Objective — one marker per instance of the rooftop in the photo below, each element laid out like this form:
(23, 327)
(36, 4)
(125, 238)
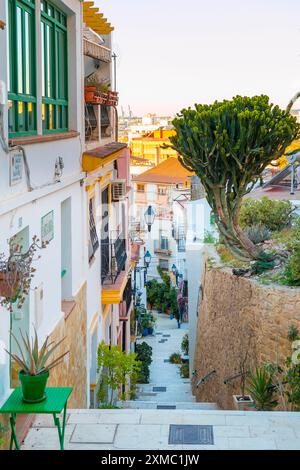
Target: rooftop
(170, 171)
(275, 192)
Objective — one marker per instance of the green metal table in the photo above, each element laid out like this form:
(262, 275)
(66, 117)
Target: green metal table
(55, 402)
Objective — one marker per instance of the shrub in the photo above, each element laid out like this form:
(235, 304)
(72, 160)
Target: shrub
(208, 237)
(144, 353)
(144, 375)
(258, 233)
(175, 358)
(293, 333)
(116, 369)
(292, 270)
(144, 356)
(273, 214)
(185, 344)
(184, 371)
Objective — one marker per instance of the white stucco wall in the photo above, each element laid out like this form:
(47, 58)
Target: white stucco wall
(20, 208)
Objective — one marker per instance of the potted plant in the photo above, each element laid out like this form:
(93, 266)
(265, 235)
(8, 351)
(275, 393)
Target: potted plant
(262, 389)
(16, 273)
(35, 364)
(243, 401)
(147, 321)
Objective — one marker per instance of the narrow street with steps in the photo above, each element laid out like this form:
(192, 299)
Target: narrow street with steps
(167, 389)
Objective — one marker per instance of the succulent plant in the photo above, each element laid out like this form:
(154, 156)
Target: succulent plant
(258, 233)
(228, 145)
(34, 360)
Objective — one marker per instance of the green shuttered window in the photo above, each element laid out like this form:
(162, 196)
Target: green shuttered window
(22, 73)
(54, 69)
(21, 80)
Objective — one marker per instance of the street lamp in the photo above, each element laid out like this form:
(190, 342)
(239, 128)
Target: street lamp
(149, 217)
(175, 272)
(147, 259)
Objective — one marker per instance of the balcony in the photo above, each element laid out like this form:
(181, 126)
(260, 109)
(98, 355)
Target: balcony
(96, 51)
(114, 272)
(113, 259)
(127, 301)
(161, 247)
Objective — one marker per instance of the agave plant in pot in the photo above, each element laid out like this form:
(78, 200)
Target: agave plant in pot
(35, 364)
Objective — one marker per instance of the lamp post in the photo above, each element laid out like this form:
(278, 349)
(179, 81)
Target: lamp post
(175, 272)
(147, 260)
(149, 217)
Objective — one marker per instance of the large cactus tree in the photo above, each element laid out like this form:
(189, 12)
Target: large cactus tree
(228, 144)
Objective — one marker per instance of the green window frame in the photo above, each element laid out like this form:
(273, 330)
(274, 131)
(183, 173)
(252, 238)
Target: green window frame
(54, 69)
(22, 68)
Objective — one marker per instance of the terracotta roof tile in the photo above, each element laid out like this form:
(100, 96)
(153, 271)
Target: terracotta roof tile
(169, 171)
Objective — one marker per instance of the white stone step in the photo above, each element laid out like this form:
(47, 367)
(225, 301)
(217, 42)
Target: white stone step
(140, 405)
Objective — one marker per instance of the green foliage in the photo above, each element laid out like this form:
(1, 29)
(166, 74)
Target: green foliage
(33, 359)
(262, 265)
(208, 237)
(261, 389)
(144, 356)
(116, 370)
(292, 270)
(258, 233)
(228, 145)
(293, 333)
(185, 344)
(184, 371)
(162, 296)
(273, 214)
(147, 320)
(109, 407)
(175, 358)
(3, 430)
(144, 353)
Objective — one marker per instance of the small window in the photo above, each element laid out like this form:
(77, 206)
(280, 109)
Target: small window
(140, 188)
(162, 190)
(163, 264)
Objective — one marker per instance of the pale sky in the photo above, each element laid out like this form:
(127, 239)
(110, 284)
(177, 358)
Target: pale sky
(173, 53)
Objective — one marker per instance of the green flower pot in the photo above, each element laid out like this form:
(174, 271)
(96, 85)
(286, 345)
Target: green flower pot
(33, 386)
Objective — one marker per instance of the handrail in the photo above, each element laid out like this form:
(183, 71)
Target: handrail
(232, 377)
(205, 378)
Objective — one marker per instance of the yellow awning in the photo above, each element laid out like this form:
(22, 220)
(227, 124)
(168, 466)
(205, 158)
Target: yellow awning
(95, 20)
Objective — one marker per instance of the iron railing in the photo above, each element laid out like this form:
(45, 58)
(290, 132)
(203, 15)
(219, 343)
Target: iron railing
(127, 294)
(113, 259)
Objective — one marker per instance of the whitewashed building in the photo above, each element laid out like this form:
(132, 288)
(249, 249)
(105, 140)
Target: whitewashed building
(65, 181)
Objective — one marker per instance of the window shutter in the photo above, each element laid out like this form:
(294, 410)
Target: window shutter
(118, 189)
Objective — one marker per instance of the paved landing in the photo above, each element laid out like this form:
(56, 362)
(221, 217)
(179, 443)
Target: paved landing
(154, 429)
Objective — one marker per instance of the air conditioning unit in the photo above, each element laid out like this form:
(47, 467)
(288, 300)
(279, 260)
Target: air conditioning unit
(118, 190)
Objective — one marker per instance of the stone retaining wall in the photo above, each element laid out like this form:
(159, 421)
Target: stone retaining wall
(232, 310)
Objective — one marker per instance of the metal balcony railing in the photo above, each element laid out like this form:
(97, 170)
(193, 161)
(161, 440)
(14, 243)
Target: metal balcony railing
(113, 259)
(127, 294)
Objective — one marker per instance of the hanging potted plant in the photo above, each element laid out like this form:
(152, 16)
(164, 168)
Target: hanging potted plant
(16, 273)
(35, 364)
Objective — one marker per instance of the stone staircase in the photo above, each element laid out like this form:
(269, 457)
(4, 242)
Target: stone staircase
(167, 390)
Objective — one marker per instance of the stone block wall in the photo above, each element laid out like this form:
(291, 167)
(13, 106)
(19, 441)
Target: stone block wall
(232, 311)
(72, 372)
